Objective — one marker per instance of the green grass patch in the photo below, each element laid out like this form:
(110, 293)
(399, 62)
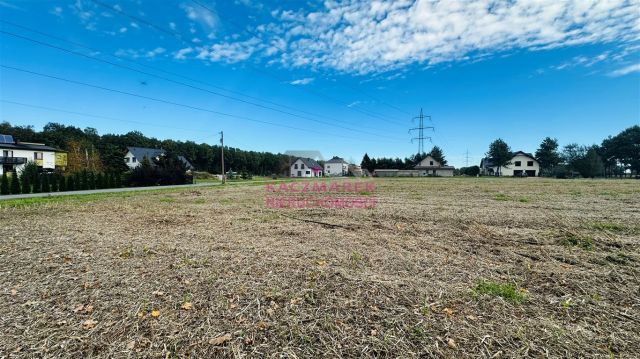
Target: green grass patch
(508, 291)
(608, 226)
(524, 200)
(167, 200)
(574, 240)
(501, 197)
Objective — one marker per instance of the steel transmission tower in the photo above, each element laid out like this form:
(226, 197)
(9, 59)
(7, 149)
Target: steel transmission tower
(421, 137)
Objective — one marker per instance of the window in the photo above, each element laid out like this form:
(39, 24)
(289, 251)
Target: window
(37, 155)
(518, 163)
(7, 153)
(299, 173)
(133, 159)
(126, 160)
(295, 166)
(308, 172)
(430, 163)
(302, 165)
(530, 163)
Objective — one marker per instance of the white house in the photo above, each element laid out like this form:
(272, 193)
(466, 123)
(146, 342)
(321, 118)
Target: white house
(336, 167)
(429, 166)
(305, 167)
(521, 164)
(14, 155)
(133, 157)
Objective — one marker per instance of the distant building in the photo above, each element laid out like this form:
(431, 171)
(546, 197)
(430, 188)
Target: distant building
(336, 167)
(428, 167)
(521, 164)
(305, 167)
(133, 157)
(355, 170)
(14, 155)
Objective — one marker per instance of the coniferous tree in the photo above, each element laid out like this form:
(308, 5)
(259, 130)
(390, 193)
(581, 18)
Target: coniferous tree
(15, 184)
(91, 180)
(46, 187)
(71, 183)
(547, 155)
(62, 183)
(438, 155)
(4, 185)
(26, 184)
(84, 180)
(37, 184)
(54, 182)
(76, 182)
(99, 181)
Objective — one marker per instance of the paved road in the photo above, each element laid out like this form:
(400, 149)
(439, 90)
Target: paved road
(131, 189)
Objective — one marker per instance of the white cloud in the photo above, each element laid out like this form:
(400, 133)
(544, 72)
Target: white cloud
(57, 11)
(304, 81)
(172, 25)
(141, 53)
(123, 30)
(626, 70)
(182, 53)
(200, 15)
(135, 25)
(157, 51)
(365, 36)
(230, 52)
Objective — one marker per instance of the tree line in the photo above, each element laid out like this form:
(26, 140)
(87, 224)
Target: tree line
(410, 162)
(617, 155)
(88, 150)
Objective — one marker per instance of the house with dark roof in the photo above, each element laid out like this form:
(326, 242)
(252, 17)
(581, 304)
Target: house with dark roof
(134, 156)
(336, 167)
(14, 155)
(522, 164)
(305, 167)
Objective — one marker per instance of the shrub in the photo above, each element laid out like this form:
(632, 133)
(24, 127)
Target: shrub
(15, 184)
(84, 180)
(100, 181)
(54, 182)
(71, 183)
(62, 183)
(37, 184)
(91, 180)
(4, 185)
(46, 187)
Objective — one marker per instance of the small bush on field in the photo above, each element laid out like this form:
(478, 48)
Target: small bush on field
(507, 291)
(501, 197)
(573, 240)
(524, 200)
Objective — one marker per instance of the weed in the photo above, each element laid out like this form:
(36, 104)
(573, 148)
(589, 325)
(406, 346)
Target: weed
(607, 226)
(167, 200)
(583, 242)
(507, 291)
(524, 200)
(501, 197)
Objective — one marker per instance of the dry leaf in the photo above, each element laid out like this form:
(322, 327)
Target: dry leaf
(374, 332)
(295, 301)
(78, 308)
(131, 345)
(89, 323)
(232, 306)
(472, 317)
(262, 325)
(187, 306)
(270, 311)
(158, 293)
(322, 263)
(220, 340)
(155, 313)
(448, 311)
(140, 314)
(14, 292)
(451, 343)
(88, 308)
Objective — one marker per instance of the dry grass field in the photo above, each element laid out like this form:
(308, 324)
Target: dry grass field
(452, 268)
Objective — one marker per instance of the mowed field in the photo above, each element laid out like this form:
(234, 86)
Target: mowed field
(442, 267)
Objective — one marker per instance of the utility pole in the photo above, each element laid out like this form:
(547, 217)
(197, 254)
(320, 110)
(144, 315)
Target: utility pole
(224, 175)
(421, 129)
(467, 158)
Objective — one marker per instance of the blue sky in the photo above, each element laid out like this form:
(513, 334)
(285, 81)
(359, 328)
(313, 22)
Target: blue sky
(343, 78)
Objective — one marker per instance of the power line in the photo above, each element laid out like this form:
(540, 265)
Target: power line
(253, 33)
(175, 103)
(167, 72)
(181, 38)
(185, 84)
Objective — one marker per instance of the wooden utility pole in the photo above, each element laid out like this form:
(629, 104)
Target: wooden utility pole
(224, 175)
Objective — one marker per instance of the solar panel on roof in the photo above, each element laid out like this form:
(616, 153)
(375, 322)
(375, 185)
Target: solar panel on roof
(6, 139)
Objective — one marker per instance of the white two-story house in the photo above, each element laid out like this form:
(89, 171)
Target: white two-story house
(14, 155)
(133, 157)
(336, 167)
(521, 164)
(305, 167)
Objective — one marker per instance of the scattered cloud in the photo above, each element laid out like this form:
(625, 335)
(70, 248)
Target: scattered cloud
(182, 53)
(304, 81)
(141, 53)
(625, 70)
(200, 15)
(364, 36)
(229, 52)
(354, 103)
(123, 30)
(9, 5)
(56, 11)
(172, 25)
(135, 25)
